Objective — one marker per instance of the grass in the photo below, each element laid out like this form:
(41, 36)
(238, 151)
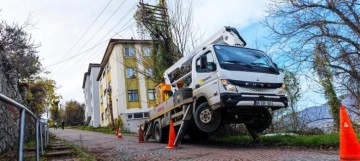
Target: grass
(327, 141)
(320, 141)
(30, 144)
(106, 130)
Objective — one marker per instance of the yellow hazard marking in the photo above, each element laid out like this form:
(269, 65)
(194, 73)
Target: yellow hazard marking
(346, 125)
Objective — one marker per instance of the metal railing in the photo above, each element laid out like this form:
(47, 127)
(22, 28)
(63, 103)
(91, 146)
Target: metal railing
(42, 128)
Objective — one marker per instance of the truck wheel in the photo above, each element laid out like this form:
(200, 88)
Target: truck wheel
(160, 133)
(262, 121)
(206, 119)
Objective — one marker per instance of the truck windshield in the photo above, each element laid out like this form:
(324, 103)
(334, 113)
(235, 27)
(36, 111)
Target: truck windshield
(244, 59)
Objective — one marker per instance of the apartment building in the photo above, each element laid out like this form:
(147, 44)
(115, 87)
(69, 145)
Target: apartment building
(91, 92)
(125, 88)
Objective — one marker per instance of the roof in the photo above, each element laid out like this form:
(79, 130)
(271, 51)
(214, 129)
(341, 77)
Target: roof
(91, 65)
(110, 47)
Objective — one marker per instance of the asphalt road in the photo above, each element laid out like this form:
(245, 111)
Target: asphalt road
(109, 147)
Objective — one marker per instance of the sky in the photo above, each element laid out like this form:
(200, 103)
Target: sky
(73, 34)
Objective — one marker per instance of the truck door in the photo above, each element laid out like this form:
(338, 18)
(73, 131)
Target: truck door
(206, 78)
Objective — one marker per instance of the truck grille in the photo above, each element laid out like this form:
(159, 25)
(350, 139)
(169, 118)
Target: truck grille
(257, 90)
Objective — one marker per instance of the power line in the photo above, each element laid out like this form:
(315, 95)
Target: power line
(117, 33)
(103, 24)
(120, 20)
(88, 28)
(117, 23)
(76, 69)
(100, 28)
(78, 54)
(97, 45)
(65, 60)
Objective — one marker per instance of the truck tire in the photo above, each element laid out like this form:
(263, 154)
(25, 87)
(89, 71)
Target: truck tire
(206, 119)
(262, 121)
(160, 134)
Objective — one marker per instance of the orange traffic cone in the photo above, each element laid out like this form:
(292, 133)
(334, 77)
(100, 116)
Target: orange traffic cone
(141, 135)
(172, 136)
(349, 145)
(119, 134)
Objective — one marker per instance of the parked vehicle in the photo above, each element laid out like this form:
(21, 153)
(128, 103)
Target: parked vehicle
(220, 82)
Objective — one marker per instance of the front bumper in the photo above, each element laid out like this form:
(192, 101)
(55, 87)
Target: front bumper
(251, 100)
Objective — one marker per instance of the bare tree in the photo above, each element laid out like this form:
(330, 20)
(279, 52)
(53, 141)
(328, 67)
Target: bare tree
(298, 26)
(173, 34)
(18, 51)
(293, 90)
(292, 87)
(185, 36)
(325, 77)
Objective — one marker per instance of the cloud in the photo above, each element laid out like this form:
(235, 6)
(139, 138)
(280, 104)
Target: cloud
(211, 15)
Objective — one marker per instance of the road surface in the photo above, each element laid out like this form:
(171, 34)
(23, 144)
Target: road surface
(109, 147)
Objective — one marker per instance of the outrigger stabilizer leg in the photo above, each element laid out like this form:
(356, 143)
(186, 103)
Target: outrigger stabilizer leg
(185, 122)
(254, 135)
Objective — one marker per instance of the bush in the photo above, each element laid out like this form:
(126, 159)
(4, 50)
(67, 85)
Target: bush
(119, 123)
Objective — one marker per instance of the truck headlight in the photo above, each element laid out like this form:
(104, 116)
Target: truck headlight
(282, 90)
(228, 86)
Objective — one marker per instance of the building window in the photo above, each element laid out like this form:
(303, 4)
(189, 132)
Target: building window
(205, 63)
(146, 51)
(129, 51)
(130, 73)
(146, 115)
(133, 95)
(151, 94)
(138, 115)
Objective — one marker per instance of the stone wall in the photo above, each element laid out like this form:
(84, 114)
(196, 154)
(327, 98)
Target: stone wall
(10, 116)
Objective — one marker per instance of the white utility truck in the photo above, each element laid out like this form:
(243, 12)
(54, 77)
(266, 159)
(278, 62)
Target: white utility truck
(221, 82)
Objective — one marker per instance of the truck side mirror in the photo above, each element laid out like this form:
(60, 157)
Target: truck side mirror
(211, 66)
(203, 61)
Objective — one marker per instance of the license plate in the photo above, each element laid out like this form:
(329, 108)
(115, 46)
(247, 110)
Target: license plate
(263, 103)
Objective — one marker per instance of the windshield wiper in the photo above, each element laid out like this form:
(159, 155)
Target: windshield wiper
(238, 62)
(273, 69)
(260, 64)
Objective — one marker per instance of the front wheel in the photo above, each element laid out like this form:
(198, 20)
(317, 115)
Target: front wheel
(206, 119)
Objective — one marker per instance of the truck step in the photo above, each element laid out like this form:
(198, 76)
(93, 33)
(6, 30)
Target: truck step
(177, 114)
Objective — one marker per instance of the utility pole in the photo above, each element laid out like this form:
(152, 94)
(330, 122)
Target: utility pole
(155, 19)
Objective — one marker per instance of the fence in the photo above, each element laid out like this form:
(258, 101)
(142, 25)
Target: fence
(42, 128)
